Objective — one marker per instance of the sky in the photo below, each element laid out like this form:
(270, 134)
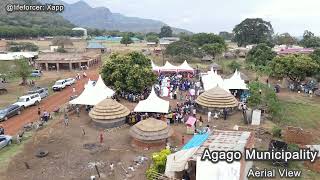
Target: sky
(293, 16)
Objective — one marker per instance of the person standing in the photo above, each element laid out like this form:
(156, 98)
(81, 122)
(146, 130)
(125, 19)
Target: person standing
(73, 90)
(66, 119)
(78, 110)
(209, 116)
(225, 113)
(1, 130)
(39, 112)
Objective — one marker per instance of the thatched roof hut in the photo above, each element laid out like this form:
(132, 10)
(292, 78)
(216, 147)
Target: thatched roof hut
(217, 98)
(150, 132)
(109, 113)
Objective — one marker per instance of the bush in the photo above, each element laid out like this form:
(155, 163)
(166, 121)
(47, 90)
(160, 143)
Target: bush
(293, 147)
(276, 131)
(61, 50)
(159, 163)
(150, 173)
(234, 65)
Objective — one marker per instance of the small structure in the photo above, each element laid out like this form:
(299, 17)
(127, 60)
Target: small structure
(296, 135)
(216, 67)
(67, 61)
(189, 157)
(95, 47)
(216, 98)
(152, 44)
(150, 132)
(108, 114)
(207, 58)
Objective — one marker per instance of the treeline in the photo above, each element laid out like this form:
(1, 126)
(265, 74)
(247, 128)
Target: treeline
(25, 32)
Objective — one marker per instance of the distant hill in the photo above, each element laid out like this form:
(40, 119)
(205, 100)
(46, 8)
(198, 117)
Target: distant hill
(81, 14)
(31, 19)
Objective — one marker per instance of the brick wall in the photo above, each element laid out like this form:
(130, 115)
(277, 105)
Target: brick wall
(295, 135)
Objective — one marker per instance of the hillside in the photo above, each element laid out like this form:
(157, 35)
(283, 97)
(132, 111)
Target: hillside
(30, 19)
(81, 14)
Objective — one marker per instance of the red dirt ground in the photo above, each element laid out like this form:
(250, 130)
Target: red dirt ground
(30, 114)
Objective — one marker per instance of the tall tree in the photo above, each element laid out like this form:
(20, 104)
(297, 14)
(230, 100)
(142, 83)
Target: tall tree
(310, 40)
(260, 55)
(204, 38)
(285, 39)
(152, 38)
(126, 39)
(22, 69)
(295, 67)
(253, 31)
(61, 41)
(165, 31)
(226, 35)
(214, 49)
(182, 50)
(130, 73)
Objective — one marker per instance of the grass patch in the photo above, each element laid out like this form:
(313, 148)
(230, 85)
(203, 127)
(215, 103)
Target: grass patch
(9, 152)
(301, 114)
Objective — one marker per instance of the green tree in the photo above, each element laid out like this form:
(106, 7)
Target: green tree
(294, 67)
(253, 31)
(285, 39)
(130, 73)
(22, 69)
(61, 41)
(226, 35)
(315, 55)
(310, 40)
(126, 39)
(260, 55)
(204, 38)
(152, 38)
(214, 50)
(264, 97)
(165, 31)
(234, 65)
(182, 49)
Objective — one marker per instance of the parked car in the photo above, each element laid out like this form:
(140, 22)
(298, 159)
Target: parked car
(9, 111)
(28, 100)
(36, 73)
(70, 81)
(5, 140)
(59, 85)
(43, 92)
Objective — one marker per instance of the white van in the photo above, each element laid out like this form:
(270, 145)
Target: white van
(28, 100)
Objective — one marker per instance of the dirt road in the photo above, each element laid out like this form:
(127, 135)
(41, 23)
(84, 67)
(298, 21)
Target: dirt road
(14, 124)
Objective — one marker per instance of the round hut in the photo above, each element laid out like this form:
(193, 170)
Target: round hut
(109, 113)
(216, 67)
(150, 132)
(216, 99)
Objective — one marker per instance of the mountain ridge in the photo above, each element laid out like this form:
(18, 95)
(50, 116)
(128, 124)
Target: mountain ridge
(104, 18)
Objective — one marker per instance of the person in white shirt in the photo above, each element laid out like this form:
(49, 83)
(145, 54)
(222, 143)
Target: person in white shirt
(209, 116)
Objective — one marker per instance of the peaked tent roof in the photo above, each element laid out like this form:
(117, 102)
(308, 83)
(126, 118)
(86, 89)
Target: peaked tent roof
(152, 104)
(211, 80)
(235, 82)
(168, 67)
(92, 95)
(154, 66)
(185, 67)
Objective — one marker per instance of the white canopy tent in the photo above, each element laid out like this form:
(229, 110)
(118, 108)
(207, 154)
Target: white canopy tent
(235, 82)
(92, 95)
(185, 67)
(212, 80)
(168, 67)
(152, 104)
(154, 67)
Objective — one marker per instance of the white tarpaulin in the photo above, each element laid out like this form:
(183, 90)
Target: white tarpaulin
(185, 67)
(152, 104)
(92, 95)
(177, 162)
(256, 117)
(17, 55)
(206, 170)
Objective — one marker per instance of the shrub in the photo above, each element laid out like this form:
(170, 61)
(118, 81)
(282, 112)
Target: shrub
(276, 131)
